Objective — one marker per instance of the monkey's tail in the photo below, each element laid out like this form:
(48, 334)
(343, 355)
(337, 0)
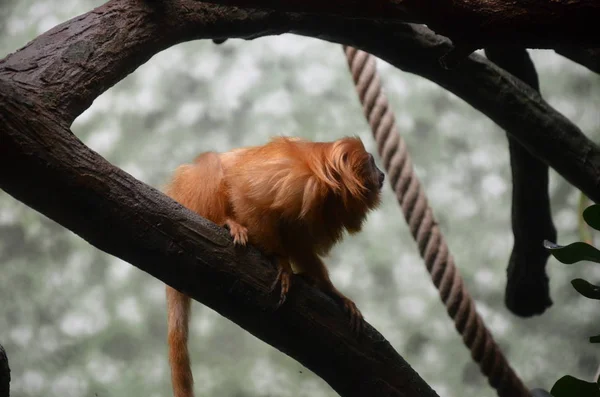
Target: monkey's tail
(200, 188)
(182, 379)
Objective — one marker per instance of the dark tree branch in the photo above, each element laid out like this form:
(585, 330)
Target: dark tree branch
(44, 86)
(512, 104)
(527, 289)
(471, 23)
(76, 61)
(588, 57)
(66, 181)
(4, 374)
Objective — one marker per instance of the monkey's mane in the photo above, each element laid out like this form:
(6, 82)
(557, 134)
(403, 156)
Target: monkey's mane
(306, 174)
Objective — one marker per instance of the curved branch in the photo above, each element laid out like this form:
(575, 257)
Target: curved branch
(63, 179)
(527, 288)
(588, 57)
(512, 104)
(76, 61)
(49, 82)
(471, 23)
(81, 58)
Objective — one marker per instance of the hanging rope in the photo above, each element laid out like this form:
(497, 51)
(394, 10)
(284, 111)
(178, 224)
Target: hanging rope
(425, 230)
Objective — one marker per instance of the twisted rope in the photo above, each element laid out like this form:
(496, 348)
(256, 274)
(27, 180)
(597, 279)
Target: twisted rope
(424, 228)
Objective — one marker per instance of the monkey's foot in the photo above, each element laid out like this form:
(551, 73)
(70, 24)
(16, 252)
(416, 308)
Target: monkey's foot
(356, 318)
(237, 231)
(284, 280)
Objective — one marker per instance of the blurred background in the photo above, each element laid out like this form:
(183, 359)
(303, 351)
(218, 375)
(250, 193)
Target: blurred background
(78, 322)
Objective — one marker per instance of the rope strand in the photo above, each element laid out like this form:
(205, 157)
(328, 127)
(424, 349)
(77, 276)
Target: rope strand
(424, 228)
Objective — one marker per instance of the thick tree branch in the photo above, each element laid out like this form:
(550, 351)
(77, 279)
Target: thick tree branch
(474, 23)
(44, 86)
(76, 61)
(66, 181)
(512, 104)
(588, 57)
(527, 289)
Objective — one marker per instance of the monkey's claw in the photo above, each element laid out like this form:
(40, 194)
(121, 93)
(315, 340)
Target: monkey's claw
(284, 280)
(238, 232)
(356, 318)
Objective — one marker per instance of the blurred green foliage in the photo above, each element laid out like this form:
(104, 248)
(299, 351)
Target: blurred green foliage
(568, 386)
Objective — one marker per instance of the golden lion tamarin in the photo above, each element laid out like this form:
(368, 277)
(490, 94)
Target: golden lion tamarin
(292, 199)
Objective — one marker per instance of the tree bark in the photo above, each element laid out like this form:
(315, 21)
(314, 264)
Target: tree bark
(66, 181)
(472, 23)
(527, 289)
(513, 105)
(588, 57)
(55, 77)
(76, 61)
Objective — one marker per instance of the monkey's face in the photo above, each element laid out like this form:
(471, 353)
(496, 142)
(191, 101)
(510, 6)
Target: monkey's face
(373, 180)
(367, 181)
(374, 175)
(360, 179)
(370, 177)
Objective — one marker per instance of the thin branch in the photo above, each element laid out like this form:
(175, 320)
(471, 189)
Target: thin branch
(527, 289)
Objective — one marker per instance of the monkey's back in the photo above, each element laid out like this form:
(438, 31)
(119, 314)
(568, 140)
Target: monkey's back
(274, 192)
(200, 187)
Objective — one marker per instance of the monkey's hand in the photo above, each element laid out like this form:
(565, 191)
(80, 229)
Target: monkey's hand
(237, 231)
(283, 279)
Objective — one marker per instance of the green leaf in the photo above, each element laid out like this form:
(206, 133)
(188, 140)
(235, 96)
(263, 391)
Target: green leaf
(595, 339)
(574, 252)
(586, 289)
(591, 215)
(585, 233)
(569, 386)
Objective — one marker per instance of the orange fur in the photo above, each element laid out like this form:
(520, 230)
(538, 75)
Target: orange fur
(291, 198)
